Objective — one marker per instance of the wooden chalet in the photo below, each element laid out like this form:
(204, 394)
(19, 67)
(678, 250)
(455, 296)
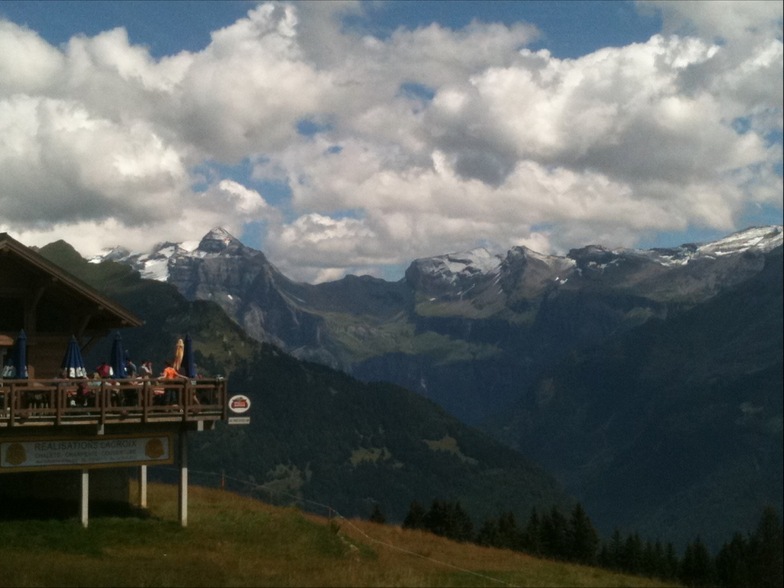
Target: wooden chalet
(53, 448)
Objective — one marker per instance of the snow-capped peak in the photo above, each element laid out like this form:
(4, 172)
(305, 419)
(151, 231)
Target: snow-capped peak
(761, 238)
(453, 266)
(217, 241)
(478, 260)
(112, 254)
(156, 263)
(456, 273)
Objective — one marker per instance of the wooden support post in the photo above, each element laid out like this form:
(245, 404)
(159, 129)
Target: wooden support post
(85, 497)
(143, 486)
(183, 496)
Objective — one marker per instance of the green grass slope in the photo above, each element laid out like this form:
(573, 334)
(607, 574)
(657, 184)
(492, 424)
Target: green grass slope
(236, 541)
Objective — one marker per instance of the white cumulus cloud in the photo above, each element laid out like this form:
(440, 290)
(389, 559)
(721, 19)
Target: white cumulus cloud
(389, 148)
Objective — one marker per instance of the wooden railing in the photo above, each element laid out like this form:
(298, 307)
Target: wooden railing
(63, 402)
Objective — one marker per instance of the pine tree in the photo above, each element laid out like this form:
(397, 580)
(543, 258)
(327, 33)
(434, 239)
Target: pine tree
(631, 557)
(554, 535)
(488, 534)
(436, 518)
(603, 559)
(509, 536)
(377, 516)
(582, 537)
(671, 563)
(732, 563)
(415, 519)
(696, 567)
(613, 552)
(767, 545)
(648, 566)
(659, 569)
(532, 536)
(461, 527)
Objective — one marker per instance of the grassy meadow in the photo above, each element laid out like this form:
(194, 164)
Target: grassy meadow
(237, 541)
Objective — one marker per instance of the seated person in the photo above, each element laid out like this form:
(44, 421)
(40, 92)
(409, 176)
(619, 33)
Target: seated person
(84, 395)
(104, 370)
(145, 371)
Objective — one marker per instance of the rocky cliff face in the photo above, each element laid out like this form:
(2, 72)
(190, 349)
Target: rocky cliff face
(240, 279)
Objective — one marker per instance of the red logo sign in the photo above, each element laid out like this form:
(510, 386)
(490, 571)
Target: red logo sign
(239, 403)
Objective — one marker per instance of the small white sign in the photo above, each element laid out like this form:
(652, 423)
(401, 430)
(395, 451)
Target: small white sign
(239, 404)
(239, 420)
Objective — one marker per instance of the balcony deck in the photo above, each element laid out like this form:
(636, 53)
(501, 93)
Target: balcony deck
(58, 402)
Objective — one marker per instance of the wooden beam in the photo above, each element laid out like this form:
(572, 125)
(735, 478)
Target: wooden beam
(39, 292)
(82, 326)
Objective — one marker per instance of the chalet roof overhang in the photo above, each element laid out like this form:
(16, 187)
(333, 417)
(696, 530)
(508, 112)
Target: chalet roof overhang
(39, 277)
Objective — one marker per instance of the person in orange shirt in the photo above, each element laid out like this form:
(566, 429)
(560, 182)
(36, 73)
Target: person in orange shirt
(169, 373)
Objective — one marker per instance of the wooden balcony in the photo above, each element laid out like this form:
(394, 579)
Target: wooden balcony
(59, 402)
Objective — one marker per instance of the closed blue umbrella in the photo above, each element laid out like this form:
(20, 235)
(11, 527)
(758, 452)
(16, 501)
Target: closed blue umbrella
(20, 356)
(188, 361)
(73, 362)
(117, 360)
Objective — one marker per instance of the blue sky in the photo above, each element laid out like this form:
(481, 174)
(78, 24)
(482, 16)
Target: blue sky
(353, 137)
(568, 29)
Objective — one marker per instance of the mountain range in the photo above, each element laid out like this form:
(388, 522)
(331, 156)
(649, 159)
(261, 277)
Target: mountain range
(647, 381)
(469, 330)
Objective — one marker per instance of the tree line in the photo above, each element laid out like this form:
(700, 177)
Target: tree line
(753, 559)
